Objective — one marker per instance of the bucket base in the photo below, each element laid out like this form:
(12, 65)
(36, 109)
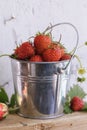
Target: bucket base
(41, 117)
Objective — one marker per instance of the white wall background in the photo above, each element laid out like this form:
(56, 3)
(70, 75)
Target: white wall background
(31, 16)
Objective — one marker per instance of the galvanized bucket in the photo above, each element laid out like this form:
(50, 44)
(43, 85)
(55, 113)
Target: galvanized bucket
(41, 87)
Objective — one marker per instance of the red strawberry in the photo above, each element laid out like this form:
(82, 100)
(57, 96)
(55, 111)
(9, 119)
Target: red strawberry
(3, 110)
(62, 51)
(1, 106)
(66, 56)
(52, 54)
(56, 45)
(36, 58)
(1, 115)
(42, 42)
(76, 103)
(26, 50)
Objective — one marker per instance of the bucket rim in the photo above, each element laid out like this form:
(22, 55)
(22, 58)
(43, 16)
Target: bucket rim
(33, 62)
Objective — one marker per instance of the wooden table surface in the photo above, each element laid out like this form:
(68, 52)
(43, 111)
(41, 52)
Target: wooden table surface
(75, 121)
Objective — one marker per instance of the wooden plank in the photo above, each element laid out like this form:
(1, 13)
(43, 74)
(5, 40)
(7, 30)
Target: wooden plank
(73, 121)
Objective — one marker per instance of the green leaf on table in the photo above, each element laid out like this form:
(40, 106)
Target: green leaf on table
(67, 108)
(76, 90)
(13, 108)
(3, 96)
(13, 100)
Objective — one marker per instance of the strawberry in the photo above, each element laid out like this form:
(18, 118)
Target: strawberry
(51, 54)
(58, 45)
(76, 103)
(66, 56)
(36, 58)
(42, 42)
(25, 50)
(54, 45)
(3, 110)
(1, 115)
(62, 51)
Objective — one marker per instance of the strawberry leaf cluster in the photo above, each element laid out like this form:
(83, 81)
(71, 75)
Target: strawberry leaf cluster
(11, 103)
(75, 96)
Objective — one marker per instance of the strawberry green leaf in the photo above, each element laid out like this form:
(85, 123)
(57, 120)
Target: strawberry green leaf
(13, 56)
(13, 110)
(12, 101)
(76, 90)
(85, 107)
(81, 79)
(3, 96)
(38, 33)
(86, 43)
(67, 108)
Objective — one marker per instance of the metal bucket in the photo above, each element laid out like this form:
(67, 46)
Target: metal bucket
(41, 87)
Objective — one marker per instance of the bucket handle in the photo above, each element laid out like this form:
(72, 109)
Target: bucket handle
(61, 70)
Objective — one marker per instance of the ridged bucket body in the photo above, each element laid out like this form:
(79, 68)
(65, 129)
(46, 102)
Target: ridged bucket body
(40, 89)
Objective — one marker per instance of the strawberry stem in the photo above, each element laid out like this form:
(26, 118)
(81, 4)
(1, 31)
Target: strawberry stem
(46, 30)
(4, 55)
(78, 60)
(60, 38)
(31, 37)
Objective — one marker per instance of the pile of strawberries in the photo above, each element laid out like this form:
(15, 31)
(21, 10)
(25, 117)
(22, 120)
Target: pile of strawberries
(43, 49)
